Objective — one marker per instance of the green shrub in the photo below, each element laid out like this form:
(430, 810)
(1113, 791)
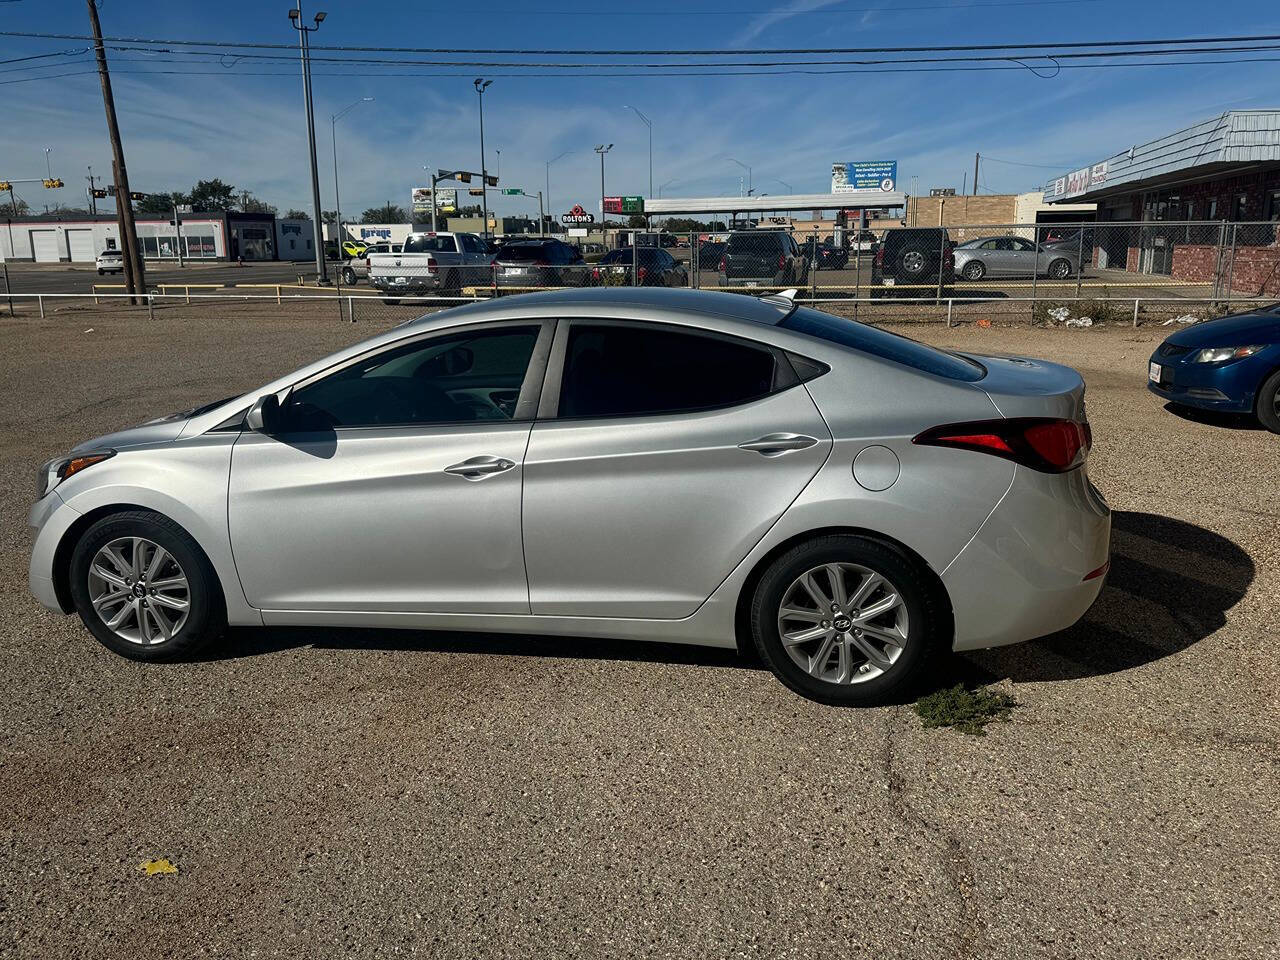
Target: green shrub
(969, 711)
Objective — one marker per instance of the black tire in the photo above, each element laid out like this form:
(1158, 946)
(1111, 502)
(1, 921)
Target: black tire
(206, 617)
(974, 270)
(389, 301)
(349, 277)
(1059, 269)
(101, 272)
(1268, 403)
(927, 629)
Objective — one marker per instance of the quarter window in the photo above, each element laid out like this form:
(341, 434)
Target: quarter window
(456, 378)
(615, 371)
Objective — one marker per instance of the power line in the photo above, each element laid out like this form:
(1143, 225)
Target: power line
(733, 12)
(774, 51)
(1019, 163)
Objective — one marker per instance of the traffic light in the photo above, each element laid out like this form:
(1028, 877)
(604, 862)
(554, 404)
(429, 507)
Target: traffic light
(99, 194)
(476, 192)
(464, 177)
(52, 184)
(491, 181)
(137, 196)
(5, 185)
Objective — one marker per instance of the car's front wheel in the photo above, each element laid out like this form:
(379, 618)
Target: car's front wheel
(144, 588)
(1269, 403)
(846, 620)
(349, 276)
(1059, 270)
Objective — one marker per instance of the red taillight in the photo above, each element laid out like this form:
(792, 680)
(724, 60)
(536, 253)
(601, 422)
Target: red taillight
(1047, 445)
(721, 267)
(595, 273)
(949, 255)
(642, 273)
(431, 264)
(1100, 572)
(879, 257)
(782, 263)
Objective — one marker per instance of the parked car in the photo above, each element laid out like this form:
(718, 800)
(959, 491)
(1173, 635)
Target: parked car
(1013, 257)
(667, 241)
(1066, 236)
(768, 257)
(431, 262)
(540, 262)
(357, 268)
(110, 261)
(668, 465)
(641, 267)
(863, 241)
(830, 255)
(591, 252)
(1231, 364)
(914, 257)
(710, 253)
(353, 248)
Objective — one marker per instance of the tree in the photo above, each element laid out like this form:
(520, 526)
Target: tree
(294, 214)
(18, 208)
(637, 220)
(329, 216)
(251, 204)
(387, 213)
(159, 202)
(212, 196)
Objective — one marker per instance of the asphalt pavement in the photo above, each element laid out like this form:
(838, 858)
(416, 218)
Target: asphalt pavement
(336, 793)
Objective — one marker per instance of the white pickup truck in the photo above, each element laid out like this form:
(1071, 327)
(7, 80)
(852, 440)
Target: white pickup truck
(431, 263)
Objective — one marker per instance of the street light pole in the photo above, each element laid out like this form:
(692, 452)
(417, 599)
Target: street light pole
(304, 48)
(548, 172)
(337, 199)
(648, 124)
(746, 167)
(602, 149)
(481, 84)
(667, 184)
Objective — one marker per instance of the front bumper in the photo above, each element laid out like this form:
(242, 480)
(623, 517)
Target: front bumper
(1206, 386)
(1023, 575)
(50, 517)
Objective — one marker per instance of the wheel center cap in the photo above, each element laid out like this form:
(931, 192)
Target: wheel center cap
(139, 589)
(842, 623)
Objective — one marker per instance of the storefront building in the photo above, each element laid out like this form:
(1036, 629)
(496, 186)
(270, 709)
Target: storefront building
(1195, 196)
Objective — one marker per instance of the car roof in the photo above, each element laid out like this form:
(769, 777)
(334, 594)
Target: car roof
(654, 301)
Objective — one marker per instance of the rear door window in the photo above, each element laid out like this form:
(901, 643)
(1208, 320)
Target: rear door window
(615, 370)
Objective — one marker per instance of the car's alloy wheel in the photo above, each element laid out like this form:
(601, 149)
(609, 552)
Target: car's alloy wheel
(349, 277)
(843, 623)
(848, 619)
(974, 270)
(913, 261)
(1059, 269)
(139, 590)
(144, 588)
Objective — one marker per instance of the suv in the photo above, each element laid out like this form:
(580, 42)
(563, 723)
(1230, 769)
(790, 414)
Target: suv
(763, 257)
(536, 263)
(914, 257)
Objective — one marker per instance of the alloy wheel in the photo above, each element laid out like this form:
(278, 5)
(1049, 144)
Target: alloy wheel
(139, 590)
(843, 623)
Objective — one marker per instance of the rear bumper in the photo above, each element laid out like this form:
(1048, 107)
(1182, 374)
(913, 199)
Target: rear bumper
(404, 284)
(1023, 574)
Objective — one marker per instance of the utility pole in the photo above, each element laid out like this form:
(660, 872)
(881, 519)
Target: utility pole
(304, 47)
(648, 123)
(93, 183)
(548, 164)
(337, 199)
(135, 272)
(602, 149)
(481, 85)
(976, 158)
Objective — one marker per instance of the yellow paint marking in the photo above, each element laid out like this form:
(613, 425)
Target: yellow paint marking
(152, 867)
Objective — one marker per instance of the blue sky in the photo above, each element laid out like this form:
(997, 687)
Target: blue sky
(215, 119)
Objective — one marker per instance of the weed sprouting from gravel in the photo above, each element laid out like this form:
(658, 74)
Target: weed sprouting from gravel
(969, 711)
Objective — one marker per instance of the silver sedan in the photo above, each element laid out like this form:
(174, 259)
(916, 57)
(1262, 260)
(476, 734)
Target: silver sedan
(666, 465)
(1013, 257)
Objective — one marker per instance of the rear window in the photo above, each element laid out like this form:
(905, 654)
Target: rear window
(429, 245)
(754, 242)
(882, 343)
(518, 253)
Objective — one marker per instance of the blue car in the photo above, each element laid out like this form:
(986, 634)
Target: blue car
(1230, 364)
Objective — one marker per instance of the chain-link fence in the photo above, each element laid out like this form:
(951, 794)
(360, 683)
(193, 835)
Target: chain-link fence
(1046, 273)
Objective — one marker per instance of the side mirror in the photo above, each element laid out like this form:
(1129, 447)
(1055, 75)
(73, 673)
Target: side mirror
(264, 416)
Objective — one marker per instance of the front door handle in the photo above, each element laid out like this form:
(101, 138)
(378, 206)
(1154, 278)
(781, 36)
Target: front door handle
(776, 444)
(477, 468)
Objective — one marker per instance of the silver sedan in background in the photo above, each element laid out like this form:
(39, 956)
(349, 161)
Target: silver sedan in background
(668, 465)
(1013, 256)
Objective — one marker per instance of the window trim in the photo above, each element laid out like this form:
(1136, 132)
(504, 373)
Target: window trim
(785, 376)
(526, 403)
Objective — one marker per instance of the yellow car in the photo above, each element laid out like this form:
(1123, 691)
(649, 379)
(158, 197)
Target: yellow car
(354, 248)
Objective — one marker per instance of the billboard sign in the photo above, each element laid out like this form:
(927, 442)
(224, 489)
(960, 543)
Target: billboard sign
(856, 175)
(1076, 182)
(446, 199)
(577, 215)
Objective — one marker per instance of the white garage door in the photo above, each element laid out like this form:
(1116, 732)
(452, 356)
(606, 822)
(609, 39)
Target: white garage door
(80, 244)
(44, 246)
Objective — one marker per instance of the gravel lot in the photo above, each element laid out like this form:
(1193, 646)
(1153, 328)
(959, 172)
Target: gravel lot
(339, 793)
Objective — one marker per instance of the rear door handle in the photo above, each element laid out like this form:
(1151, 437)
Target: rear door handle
(477, 468)
(776, 444)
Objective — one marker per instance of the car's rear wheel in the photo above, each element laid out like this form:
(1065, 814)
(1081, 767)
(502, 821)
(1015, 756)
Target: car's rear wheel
(974, 270)
(348, 276)
(1269, 403)
(144, 588)
(1059, 269)
(846, 620)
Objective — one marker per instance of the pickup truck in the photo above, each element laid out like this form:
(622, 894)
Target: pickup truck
(431, 263)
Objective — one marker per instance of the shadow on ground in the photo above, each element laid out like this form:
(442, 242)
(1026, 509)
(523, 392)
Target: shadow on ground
(1215, 418)
(1170, 585)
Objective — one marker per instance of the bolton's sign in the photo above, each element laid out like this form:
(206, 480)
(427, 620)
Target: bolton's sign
(577, 215)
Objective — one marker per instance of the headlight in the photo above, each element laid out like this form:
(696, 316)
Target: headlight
(1218, 354)
(57, 470)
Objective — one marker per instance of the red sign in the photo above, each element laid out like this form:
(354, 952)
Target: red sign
(612, 204)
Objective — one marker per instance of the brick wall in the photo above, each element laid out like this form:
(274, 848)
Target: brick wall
(1256, 271)
(995, 209)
